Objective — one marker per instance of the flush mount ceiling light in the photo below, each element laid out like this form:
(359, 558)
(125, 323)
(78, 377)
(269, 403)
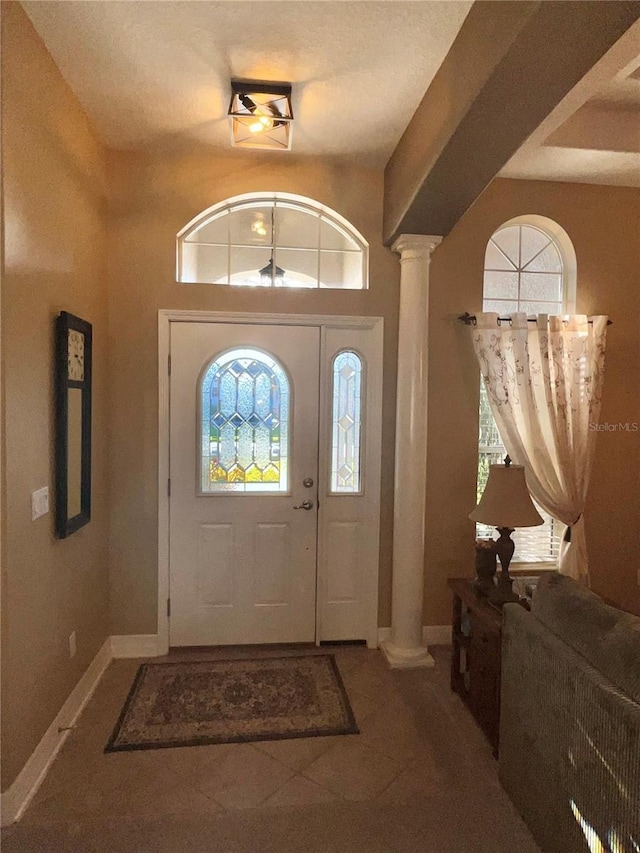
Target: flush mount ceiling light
(261, 115)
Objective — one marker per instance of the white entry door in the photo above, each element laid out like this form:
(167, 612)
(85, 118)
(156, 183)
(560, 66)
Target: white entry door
(243, 443)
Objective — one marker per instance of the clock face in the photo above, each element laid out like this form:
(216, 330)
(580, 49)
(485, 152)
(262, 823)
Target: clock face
(75, 355)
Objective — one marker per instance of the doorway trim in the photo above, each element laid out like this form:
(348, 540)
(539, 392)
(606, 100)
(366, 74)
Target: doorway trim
(374, 395)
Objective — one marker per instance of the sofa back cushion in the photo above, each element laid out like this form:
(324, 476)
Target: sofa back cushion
(569, 743)
(606, 637)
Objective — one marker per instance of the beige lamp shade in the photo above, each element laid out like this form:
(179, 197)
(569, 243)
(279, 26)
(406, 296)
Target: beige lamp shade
(506, 501)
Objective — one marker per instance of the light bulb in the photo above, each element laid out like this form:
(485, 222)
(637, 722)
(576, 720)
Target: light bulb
(258, 227)
(262, 122)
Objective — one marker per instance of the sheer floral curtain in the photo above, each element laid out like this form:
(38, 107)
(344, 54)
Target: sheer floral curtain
(544, 383)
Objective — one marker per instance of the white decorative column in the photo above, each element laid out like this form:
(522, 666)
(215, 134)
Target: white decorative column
(405, 647)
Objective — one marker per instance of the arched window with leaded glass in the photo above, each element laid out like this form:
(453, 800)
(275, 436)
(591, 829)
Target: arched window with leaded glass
(244, 421)
(272, 240)
(529, 267)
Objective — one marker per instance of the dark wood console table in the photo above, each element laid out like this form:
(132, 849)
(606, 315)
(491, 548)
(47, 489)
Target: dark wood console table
(475, 656)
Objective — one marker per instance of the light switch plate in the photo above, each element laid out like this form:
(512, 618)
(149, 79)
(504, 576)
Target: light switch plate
(39, 503)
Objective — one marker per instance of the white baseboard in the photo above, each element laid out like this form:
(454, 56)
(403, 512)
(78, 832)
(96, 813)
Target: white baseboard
(16, 798)
(134, 645)
(432, 635)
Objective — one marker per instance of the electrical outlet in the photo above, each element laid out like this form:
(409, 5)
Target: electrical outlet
(72, 644)
(39, 503)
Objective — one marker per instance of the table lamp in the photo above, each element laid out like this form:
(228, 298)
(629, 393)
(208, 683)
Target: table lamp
(506, 504)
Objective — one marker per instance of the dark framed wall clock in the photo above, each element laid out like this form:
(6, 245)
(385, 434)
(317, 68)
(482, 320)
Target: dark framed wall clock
(73, 345)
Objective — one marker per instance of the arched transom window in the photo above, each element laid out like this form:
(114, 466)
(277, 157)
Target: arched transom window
(529, 266)
(274, 240)
(522, 272)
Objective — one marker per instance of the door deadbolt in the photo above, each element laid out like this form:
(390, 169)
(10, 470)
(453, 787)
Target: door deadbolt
(307, 482)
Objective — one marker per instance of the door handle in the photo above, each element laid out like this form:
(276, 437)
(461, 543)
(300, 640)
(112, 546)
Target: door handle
(305, 505)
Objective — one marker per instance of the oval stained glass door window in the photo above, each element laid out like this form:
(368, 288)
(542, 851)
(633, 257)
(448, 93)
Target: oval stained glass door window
(244, 406)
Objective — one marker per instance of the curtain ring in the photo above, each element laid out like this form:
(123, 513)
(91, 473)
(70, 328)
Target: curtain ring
(499, 321)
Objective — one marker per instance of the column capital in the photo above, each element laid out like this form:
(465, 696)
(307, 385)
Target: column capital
(416, 246)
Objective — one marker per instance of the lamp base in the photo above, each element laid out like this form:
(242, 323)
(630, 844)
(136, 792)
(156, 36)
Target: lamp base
(505, 546)
(502, 592)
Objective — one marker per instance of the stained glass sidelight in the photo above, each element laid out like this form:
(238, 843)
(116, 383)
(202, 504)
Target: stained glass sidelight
(346, 423)
(244, 399)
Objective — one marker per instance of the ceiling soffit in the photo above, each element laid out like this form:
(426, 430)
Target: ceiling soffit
(514, 91)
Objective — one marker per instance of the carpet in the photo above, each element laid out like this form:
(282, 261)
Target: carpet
(228, 701)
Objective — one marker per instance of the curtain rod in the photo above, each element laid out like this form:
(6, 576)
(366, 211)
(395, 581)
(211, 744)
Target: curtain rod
(470, 319)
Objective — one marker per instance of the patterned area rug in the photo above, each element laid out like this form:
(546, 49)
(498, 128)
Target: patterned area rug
(226, 701)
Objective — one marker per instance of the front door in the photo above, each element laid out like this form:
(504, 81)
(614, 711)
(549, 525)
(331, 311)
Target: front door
(243, 483)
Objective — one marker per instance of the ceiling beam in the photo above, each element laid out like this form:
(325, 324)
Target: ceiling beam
(511, 64)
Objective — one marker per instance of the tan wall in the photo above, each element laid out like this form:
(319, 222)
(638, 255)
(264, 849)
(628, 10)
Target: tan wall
(603, 225)
(153, 196)
(54, 204)
(55, 211)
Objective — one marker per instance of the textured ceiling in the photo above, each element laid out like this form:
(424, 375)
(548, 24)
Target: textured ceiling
(150, 70)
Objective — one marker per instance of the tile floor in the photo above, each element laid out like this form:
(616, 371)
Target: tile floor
(418, 777)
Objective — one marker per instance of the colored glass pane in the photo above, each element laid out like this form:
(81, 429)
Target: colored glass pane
(346, 423)
(244, 398)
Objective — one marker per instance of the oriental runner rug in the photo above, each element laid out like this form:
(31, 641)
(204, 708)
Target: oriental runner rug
(227, 701)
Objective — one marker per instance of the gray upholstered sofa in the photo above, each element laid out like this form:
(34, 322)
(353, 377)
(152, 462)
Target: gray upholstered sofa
(570, 719)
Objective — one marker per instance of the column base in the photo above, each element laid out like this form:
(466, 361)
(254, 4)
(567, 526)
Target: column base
(403, 658)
